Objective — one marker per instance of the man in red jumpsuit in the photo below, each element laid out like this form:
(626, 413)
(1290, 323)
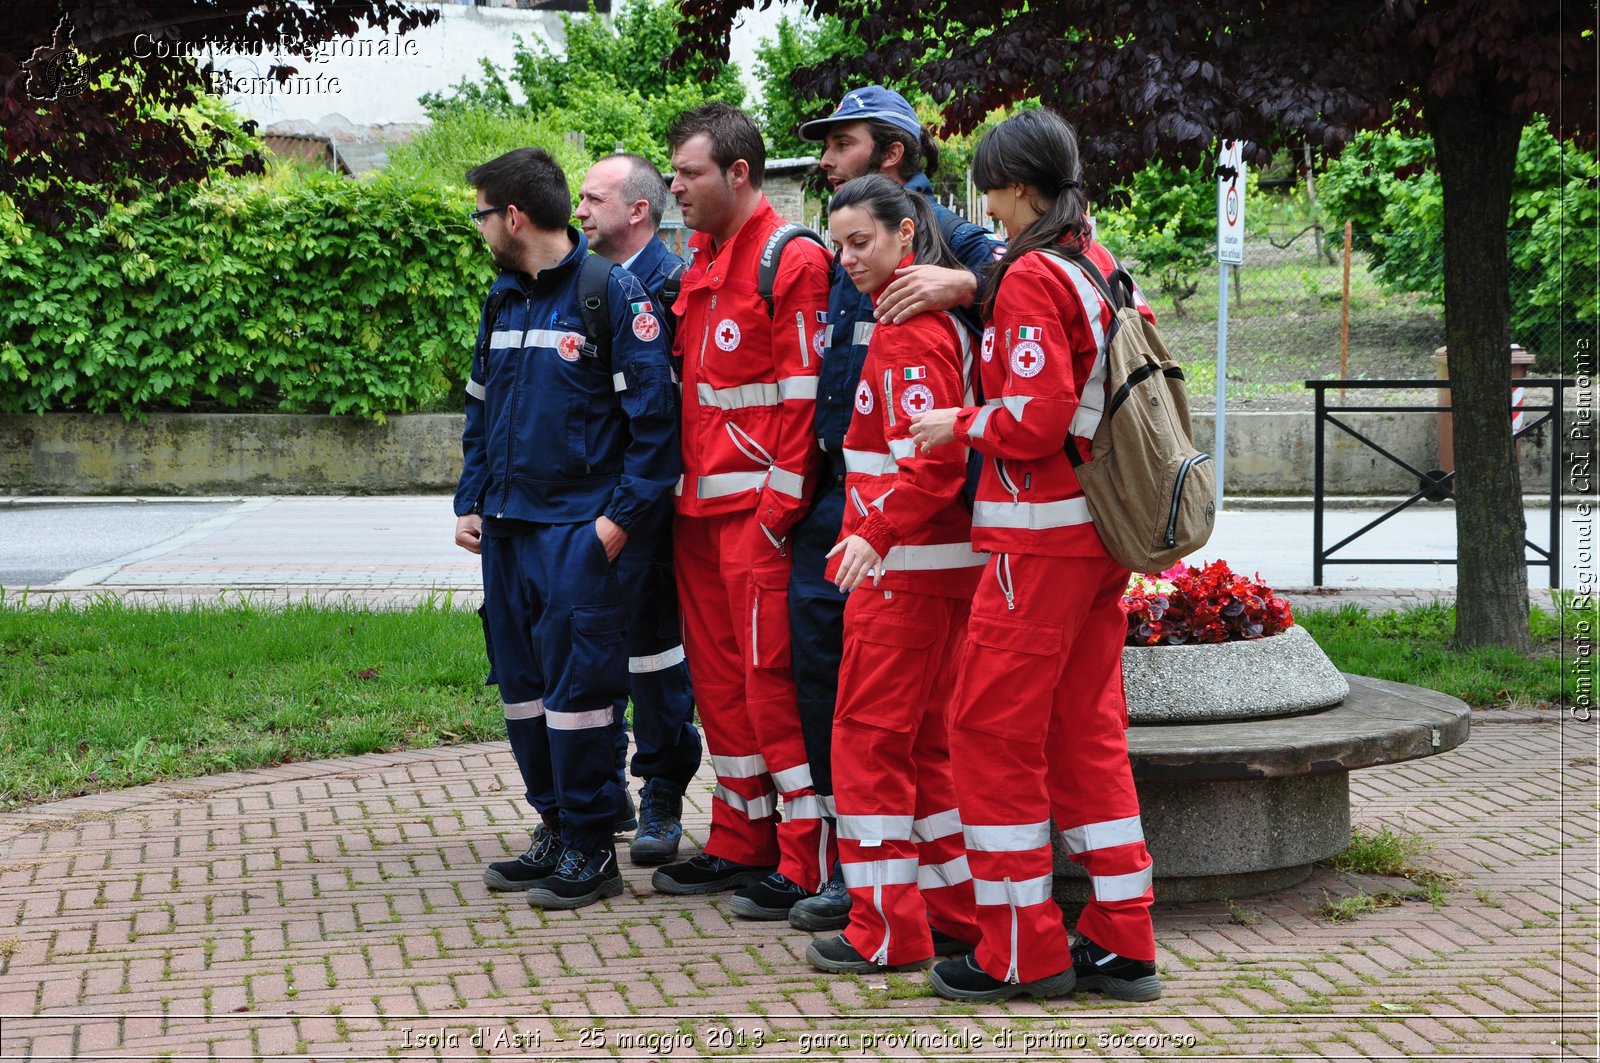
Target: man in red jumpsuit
(749, 384)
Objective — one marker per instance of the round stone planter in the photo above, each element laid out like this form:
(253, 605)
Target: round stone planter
(1242, 753)
(1283, 675)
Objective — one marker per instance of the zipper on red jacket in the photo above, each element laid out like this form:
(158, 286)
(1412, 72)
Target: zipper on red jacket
(1002, 576)
(1005, 479)
(705, 334)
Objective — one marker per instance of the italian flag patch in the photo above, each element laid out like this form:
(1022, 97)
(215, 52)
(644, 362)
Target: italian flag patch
(1025, 332)
(642, 308)
(917, 372)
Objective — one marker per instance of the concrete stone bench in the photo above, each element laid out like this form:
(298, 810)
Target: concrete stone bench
(1238, 807)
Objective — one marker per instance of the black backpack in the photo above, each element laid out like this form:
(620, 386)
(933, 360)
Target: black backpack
(594, 302)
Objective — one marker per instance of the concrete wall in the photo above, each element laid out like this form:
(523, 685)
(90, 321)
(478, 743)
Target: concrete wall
(1268, 454)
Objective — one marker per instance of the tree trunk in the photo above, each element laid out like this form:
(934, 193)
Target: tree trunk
(1475, 139)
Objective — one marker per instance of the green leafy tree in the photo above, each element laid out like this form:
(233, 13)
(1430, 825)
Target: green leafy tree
(797, 45)
(461, 139)
(1165, 218)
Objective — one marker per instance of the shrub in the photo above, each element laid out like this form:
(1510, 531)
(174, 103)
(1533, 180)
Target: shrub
(1206, 604)
(326, 295)
(461, 138)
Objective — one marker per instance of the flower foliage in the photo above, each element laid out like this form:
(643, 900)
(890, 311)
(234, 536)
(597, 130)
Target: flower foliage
(1207, 604)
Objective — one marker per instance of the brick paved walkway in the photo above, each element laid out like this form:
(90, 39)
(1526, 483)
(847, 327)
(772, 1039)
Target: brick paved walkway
(334, 911)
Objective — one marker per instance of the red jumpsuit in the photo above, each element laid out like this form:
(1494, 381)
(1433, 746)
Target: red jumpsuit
(900, 844)
(749, 391)
(1041, 702)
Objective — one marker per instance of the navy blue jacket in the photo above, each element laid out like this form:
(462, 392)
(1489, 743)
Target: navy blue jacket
(554, 435)
(850, 324)
(652, 265)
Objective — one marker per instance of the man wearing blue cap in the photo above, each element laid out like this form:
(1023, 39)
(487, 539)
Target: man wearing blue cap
(873, 130)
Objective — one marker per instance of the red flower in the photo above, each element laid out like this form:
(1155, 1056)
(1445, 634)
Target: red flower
(1210, 603)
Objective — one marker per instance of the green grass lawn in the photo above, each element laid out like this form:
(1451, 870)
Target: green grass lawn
(110, 695)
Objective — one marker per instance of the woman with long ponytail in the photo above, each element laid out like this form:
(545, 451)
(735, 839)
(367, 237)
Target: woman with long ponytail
(1040, 701)
(905, 560)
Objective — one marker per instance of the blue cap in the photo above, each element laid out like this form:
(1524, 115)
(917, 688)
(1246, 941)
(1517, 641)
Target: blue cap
(866, 104)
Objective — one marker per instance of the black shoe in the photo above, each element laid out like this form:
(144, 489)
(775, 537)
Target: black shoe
(705, 874)
(629, 820)
(1102, 971)
(660, 824)
(838, 956)
(582, 878)
(540, 861)
(945, 945)
(963, 979)
(828, 910)
(771, 898)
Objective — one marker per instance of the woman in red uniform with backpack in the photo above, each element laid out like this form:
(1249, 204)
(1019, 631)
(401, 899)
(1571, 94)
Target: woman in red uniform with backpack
(1040, 703)
(906, 560)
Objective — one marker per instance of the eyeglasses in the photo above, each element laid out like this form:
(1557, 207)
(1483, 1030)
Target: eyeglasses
(477, 216)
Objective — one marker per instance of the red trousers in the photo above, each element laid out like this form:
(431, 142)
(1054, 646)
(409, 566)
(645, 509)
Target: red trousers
(734, 586)
(900, 843)
(1039, 727)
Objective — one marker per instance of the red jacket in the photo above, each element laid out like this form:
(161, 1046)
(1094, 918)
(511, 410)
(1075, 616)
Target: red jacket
(1043, 375)
(750, 379)
(906, 502)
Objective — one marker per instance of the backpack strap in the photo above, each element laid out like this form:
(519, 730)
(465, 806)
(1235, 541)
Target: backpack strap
(772, 254)
(671, 286)
(594, 290)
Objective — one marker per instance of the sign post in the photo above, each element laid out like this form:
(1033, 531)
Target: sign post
(1230, 252)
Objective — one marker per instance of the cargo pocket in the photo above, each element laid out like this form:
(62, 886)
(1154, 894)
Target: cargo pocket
(1008, 679)
(597, 668)
(769, 619)
(884, 677)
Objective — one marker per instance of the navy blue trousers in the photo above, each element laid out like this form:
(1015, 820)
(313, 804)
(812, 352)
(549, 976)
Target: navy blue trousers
(816, 626)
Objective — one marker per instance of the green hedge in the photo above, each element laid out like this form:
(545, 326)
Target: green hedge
(321, 294)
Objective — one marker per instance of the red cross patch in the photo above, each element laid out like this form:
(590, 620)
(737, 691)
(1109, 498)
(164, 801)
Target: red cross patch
(646, 327)
(916, 399)
(864, 397)
(1027, 359)
(570, 346)
(988, 344)
(726, 334)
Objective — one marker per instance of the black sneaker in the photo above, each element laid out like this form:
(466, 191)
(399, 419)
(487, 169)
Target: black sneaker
(705, 874)
(963, 979)
(828, 910)
(771, 898)
(1102, 971)
(945, 945)
(838, 956)
(582, 878)
(540, 861)
(629, 820)
(660, 824)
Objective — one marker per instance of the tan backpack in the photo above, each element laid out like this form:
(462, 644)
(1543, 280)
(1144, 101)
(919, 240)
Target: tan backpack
(1151, 493)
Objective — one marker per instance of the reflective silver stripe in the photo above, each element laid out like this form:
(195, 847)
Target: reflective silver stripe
(828, 808)
(1092, 399)
(807, 807)
(827, 337)
(1031, 516)
(1007, 838)
(875, 828)
(1015, 404)
(738, 398)
(950, 873)
(543, 337)
(1028, 891)
(933, 558)
(499, 341)
(901, 871)
(797, 387)
(580, 721)
(739, 767)
(729, 483)
(475, 389)
(748, 446)
(753, 807)
(980, 422)
(791, 779)
(903, 448)
(862, 335)
(619, 382)
(1121, 887)
(868, 462)
(939, 825)
(677, 488)
(1103, 835)
(786, 483)
(659, 662)
(524, 710)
